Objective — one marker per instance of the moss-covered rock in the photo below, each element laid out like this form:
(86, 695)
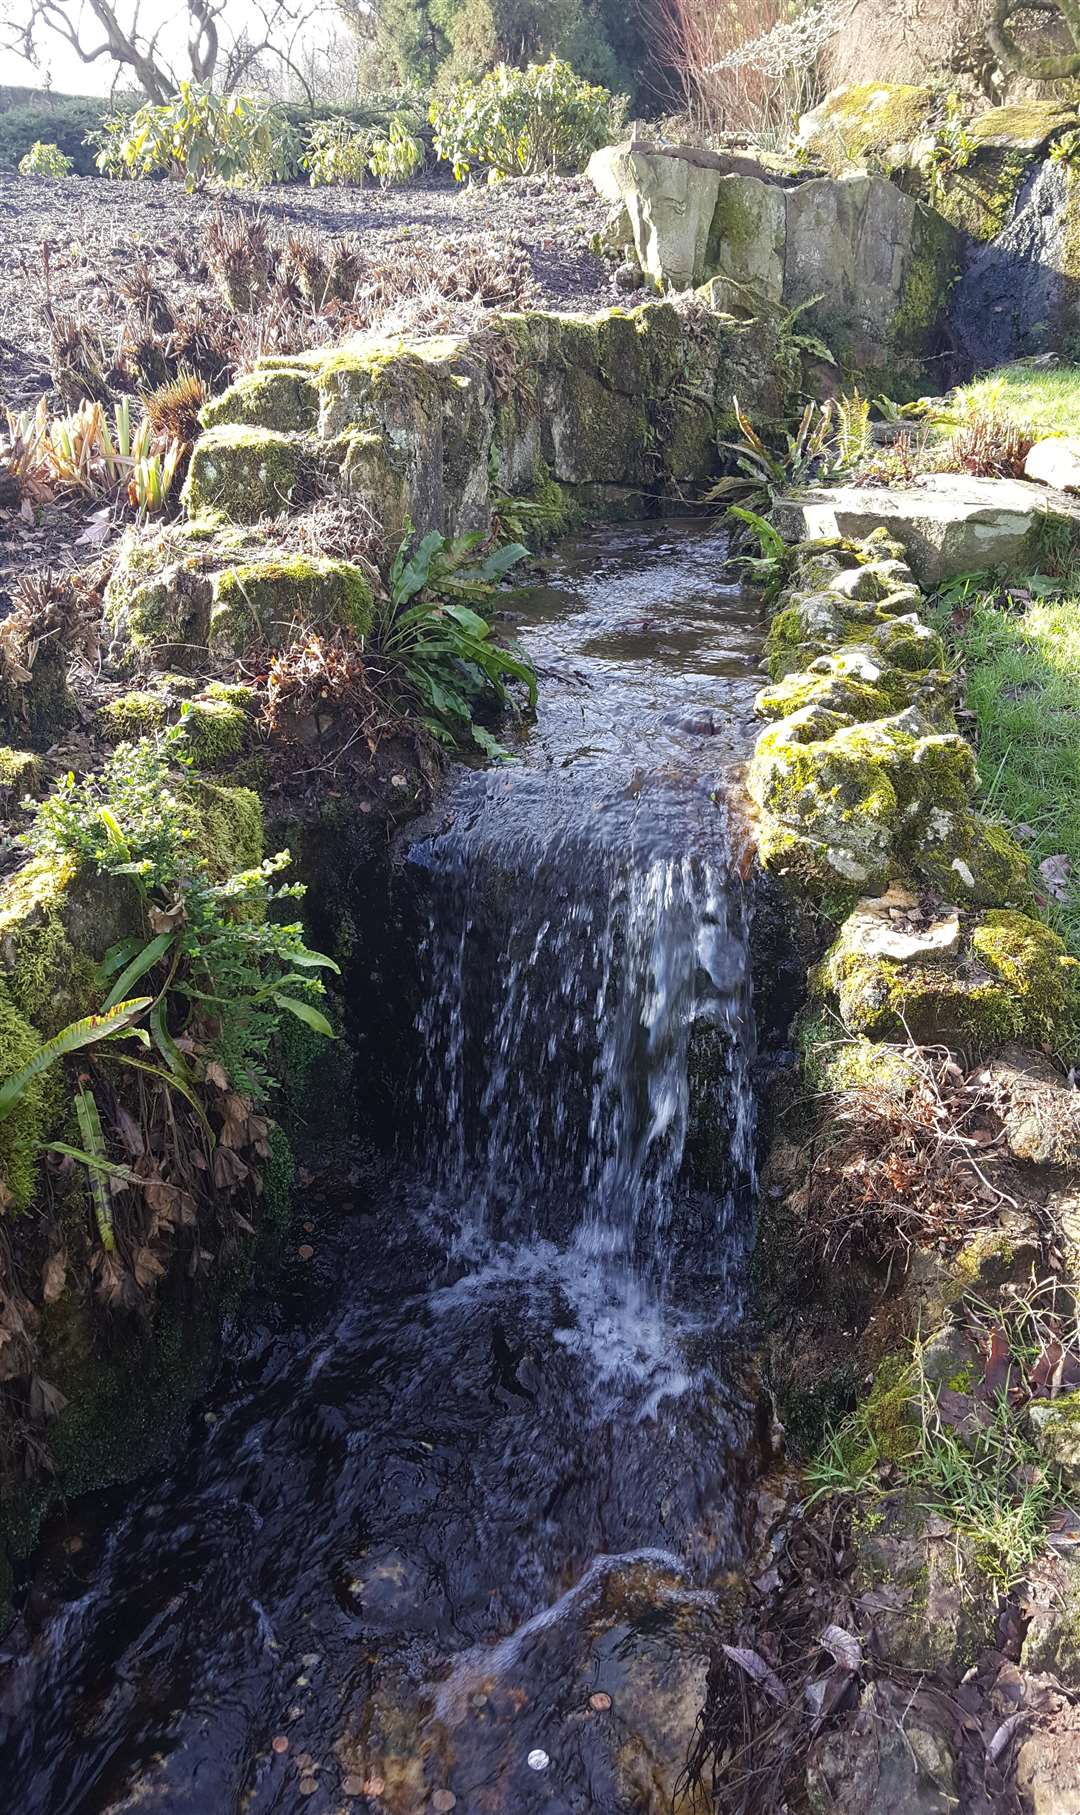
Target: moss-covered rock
(265, 601)
(845, 802)
(285, 398)
(245, 473)
(980, 197)
(22, 773)
(868, 123)
(999, 977)
(22, 1131)
(216, 731)
(134, 715)
(228, 827)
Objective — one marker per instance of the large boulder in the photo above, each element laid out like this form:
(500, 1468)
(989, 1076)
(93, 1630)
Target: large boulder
(671, 201)
(948, 523)
(1021, 295)
(1055, 462)
(863, 120)
(878, 264)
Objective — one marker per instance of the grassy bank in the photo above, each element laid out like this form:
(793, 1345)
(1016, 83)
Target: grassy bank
(1044, 399)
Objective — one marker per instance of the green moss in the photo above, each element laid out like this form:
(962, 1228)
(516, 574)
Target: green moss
(228, 825)
(22, 1131)
(833, 1064)
(235, 694)
(134, 715)
(215, 731)
(278, 1182)
(21, 773)
(970, 859)
(268, 600)
(980, 198)
(245, 473)
(841, 693)
(869, 122)
(933, 268)
(285, 398)
(52, 978)
(1031, 960)
(1012, 981)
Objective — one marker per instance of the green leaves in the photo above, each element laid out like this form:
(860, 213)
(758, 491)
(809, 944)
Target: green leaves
(517, 122)
(88, 1032)
(140, 964)
(305, 1013)
(442, 643)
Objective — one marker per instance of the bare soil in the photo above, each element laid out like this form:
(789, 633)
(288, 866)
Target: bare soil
(95, 230)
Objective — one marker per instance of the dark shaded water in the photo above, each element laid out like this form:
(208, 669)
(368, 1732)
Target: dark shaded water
(457, 1520)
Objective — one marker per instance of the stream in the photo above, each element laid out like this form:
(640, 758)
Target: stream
(454, 1527)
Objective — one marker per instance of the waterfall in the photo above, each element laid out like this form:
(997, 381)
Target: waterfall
(573, 962)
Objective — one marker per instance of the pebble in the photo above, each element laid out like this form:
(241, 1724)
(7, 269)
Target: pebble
(538, 1761)
(444, 1800)
(600, 1701)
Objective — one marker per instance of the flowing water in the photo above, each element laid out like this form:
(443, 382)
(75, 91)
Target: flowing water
(457, 1520)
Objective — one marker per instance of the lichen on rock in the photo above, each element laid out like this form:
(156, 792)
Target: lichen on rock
(245, 473)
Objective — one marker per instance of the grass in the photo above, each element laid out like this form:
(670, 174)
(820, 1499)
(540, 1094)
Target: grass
(992, 1486)
(1022, 658)
(1045, 399)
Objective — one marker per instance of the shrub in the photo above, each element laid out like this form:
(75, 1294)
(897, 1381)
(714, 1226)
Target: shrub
(396, 158)
(988, 446)
(518, 122)
(337, 153)
(200, 137)
(61, 120)
(43, 159)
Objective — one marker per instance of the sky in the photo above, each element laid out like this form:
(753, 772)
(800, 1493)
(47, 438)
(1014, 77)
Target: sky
(62, 68)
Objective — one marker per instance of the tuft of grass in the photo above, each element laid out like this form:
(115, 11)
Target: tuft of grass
(991, 1484)
(1043, 399)
(1022, 657)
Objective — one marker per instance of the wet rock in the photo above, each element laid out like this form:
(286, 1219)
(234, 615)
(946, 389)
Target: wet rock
(890, 1756)
(1048, 1764)
(948, 523)
(1055, 462)
(634, 1630)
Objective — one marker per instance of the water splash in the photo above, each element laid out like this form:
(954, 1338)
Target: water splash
(577, 969)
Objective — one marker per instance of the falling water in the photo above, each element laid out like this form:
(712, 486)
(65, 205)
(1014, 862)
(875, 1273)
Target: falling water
(482, 1462)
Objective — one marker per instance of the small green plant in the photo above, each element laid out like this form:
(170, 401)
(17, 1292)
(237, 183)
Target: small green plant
(337, 152)
(1066, 151)
(45, 160)
(223, 966)
(396, 158)
(953, 148)
(519, 122)
(109, 1025)
(433, 633)
(199, 137)
(819, 448)
(989, 1482)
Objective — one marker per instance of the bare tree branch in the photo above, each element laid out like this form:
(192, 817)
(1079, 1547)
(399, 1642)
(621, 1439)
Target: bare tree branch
(1017, 58)
(217, 38)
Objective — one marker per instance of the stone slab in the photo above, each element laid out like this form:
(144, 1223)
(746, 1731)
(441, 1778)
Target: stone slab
(947, 523)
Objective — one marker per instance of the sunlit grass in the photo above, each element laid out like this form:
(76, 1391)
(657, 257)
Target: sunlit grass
(1045, 399)
(1023, 685)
